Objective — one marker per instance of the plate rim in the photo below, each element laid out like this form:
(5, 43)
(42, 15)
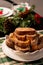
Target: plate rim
(9, 13)
(14, 53)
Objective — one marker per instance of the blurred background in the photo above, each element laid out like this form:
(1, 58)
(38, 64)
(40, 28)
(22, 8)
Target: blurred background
(37, 3)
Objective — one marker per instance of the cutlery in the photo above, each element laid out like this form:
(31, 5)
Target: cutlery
(13, 3)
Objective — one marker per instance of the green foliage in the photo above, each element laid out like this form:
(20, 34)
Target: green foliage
(1, 23)
(17, 21)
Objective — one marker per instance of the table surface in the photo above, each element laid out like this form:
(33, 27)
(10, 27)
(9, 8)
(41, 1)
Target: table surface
(6, 60)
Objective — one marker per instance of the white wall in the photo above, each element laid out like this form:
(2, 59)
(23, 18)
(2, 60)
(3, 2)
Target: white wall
(39, 6)
(19, 1)
(5, 4)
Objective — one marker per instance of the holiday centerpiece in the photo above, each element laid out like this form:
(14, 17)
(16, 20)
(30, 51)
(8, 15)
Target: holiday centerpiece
(24, 16)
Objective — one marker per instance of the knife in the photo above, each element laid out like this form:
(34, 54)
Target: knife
(13, 3)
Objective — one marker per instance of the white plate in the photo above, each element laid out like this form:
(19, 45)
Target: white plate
(20, 56)
(6, 12)
(40, 31)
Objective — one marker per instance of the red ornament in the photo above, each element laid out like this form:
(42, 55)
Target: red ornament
(37, 18)
(1, 12)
